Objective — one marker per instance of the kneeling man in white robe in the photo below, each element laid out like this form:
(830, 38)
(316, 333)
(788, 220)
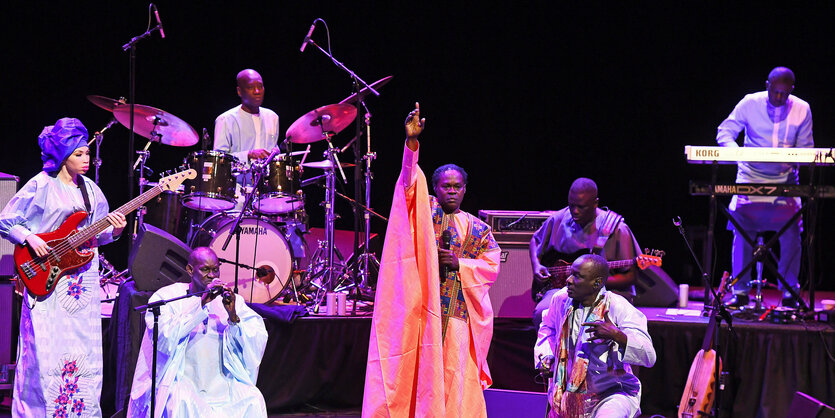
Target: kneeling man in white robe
(208, 352)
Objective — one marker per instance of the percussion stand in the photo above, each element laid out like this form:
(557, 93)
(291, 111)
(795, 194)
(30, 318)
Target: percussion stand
(98, 137)
(367, 256)
(236, 227)
(131, 45)
(328, 276)
(141, 159)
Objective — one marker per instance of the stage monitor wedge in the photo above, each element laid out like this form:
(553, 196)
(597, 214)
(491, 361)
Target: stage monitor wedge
(158, 259)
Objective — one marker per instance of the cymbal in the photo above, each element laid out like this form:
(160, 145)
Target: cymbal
(333, 118)
(169, 129)
(105, 103)
(325, 165)
(365, 91)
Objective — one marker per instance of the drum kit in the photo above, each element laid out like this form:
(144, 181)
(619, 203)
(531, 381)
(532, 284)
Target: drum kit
(265, 260)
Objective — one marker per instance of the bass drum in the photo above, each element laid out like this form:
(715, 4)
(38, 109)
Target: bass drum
(262, 246)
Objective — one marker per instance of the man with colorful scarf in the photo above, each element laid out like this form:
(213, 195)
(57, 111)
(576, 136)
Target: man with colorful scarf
(433, 321)
(588, 339)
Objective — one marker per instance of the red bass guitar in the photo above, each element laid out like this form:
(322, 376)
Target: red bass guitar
(41, 274)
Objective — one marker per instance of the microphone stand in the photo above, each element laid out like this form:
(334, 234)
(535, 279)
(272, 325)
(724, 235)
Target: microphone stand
(236, 227)
(155, 309)
(721, 313)
(361, 267)
(709, 290)
(131, 45)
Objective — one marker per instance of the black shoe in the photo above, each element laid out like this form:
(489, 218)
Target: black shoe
(738, 301)
(789, 301)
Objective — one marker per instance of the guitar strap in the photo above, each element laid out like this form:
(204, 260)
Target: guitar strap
(609, 226)
(83, 187)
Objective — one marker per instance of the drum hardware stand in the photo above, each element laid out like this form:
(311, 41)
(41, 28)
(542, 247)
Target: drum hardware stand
(98, 137)
(141, 159)
(236, 227)
(131, 45)
(330, 217)
(366, 256)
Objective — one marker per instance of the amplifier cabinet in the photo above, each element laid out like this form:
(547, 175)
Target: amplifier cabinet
(8, 187)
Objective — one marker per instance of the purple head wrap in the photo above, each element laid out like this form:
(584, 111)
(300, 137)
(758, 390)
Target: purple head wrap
(59, 141)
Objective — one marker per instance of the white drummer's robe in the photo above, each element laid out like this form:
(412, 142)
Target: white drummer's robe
(206, 367)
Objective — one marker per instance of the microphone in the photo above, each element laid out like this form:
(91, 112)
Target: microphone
(446, 239)
(307, 38)
(265, 274)
(159, 22)
(227, 297)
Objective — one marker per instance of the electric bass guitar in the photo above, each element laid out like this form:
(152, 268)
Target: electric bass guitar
(41, 274)
(560, 269)
(699, 394)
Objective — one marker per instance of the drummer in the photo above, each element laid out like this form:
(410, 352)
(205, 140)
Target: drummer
(248, 131)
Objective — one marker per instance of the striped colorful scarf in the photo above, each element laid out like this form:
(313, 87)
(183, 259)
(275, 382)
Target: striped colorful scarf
(570, 397)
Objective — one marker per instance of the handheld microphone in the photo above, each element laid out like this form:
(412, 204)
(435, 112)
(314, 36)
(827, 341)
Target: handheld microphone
(307, 38)
(159, 22)
(446, 239)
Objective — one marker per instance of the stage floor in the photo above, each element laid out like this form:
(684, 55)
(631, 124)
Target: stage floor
(767, 362)
(315, 365)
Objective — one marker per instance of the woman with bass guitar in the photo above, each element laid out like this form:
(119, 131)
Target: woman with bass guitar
(59, 364)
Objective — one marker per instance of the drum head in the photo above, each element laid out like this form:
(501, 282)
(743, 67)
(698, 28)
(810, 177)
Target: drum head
(261, 245)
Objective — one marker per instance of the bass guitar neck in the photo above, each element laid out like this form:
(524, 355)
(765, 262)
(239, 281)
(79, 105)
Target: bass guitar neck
(41, 274)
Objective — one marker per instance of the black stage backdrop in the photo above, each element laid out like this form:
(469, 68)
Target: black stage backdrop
(526, 96)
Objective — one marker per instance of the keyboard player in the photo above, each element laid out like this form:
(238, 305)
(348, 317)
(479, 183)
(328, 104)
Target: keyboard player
(770, 118)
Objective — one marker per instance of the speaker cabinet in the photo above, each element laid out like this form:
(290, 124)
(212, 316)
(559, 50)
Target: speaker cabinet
(158, 259)
(654, 287)
(8, 187)
(511, 294)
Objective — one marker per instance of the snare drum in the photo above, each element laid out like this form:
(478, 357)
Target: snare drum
(214, 187)
(281, 192)
(262, 246)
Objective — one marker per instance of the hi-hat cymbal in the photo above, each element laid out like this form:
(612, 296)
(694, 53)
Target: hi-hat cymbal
(105, 103)
(157, 125)
(325, 165)
(365, 91)
(331, 119)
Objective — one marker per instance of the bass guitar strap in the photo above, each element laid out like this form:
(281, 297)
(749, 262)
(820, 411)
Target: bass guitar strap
(83, 186)
(609, 226)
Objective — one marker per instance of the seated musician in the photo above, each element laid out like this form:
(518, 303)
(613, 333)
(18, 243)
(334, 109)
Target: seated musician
(581, 227)
(588, 340)
(209, 350)
(771, 118)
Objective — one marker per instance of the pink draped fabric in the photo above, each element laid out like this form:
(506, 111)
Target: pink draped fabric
(404, 375)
